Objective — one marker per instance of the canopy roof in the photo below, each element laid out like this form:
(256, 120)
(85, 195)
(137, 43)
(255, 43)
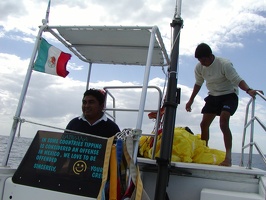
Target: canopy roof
(112, 45)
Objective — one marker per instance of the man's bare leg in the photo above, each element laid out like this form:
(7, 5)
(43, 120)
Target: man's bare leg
(204, 125)
(224, 125)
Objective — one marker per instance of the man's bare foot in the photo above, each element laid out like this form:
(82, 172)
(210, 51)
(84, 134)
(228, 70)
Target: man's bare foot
(226, 163)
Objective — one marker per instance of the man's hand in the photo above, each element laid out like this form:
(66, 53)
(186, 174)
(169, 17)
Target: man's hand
(252, 92)
(188, 106)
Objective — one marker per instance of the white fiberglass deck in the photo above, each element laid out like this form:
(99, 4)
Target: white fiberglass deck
(195, 166)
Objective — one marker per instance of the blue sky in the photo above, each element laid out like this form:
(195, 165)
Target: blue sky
(235, 29)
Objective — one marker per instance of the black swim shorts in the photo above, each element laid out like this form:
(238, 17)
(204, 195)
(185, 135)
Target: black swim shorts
(217, 104)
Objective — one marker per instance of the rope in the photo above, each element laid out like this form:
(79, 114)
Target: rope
(20, 120)
(113, 174)
(31, 122)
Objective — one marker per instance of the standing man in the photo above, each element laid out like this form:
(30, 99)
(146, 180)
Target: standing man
(93, 120)
(222, 81)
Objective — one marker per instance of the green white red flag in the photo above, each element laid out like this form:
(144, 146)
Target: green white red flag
(51, 60)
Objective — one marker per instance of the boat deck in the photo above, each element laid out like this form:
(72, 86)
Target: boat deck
(233, 169)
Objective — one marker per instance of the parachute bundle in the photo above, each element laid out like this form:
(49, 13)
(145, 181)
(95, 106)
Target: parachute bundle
(186, 148)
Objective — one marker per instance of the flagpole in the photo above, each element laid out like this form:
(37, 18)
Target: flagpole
(46, 20)
(16, 118)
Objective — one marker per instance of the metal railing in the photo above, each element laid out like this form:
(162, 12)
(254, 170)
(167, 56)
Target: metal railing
(250, 123)
(114, 109)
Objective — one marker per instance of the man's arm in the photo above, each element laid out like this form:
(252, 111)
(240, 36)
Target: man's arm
(244, 86)
(195, 91)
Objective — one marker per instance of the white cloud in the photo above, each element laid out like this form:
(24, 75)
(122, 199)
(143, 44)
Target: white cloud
(215, 22)
(56, 100)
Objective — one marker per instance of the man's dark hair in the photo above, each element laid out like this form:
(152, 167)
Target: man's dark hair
(98, 94)
(203, 50)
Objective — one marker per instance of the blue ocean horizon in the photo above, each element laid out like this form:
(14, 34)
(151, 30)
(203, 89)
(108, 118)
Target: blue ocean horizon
(21, 145)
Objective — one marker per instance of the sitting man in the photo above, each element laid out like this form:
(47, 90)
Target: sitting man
(93, 120)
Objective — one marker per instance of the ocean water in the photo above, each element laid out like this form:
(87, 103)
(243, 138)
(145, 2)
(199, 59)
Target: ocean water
(21, 145)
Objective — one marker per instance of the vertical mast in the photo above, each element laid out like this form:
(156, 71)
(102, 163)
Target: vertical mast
(170, 104)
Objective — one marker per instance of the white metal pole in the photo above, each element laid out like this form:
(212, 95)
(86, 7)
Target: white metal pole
(22, 97)
(89, 76)
(144, 89)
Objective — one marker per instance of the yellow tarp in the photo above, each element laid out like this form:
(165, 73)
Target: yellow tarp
(186, 148)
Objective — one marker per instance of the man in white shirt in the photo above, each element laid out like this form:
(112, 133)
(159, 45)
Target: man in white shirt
(222, 81)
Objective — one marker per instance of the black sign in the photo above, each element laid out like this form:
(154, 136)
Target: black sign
(65, 162)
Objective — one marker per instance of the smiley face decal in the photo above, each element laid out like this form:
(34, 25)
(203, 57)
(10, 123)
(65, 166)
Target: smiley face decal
(79, 167)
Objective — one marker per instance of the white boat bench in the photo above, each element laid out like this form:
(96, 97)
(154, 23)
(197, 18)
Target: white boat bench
(210, 194)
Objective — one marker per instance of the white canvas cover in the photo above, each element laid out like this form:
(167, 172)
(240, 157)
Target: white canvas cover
(112, 45)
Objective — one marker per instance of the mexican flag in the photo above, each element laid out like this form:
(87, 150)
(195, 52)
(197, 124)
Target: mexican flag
(51, 60)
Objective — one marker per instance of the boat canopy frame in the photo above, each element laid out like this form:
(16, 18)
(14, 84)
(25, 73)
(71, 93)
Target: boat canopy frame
(121, 45)
(117, 45)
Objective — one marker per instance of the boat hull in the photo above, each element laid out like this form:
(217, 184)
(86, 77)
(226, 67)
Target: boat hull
(187, 181)
(202, 182)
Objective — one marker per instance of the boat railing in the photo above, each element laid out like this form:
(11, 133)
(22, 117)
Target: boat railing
(114, 109)
(250, 123)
